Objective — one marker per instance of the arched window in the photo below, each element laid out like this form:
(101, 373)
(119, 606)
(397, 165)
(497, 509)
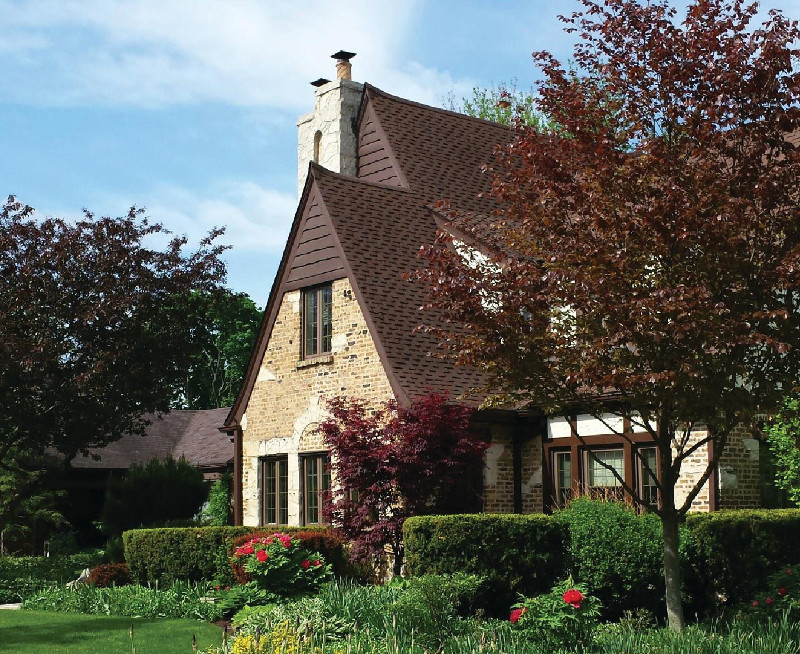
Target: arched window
(317, 139)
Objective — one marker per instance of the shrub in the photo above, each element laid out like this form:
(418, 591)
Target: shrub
(110, 574)
(218, 510)
(523, 554)
(564, 618)
(22, 576)
(729, 554)
(160, 492)
(617, 554)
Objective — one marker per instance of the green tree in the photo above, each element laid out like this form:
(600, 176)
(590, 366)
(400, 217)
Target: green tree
(94, 332)
(783, 440)
(645, 256)
(504, 104)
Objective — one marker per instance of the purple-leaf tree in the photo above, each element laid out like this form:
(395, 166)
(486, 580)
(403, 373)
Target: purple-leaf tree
(395, 462)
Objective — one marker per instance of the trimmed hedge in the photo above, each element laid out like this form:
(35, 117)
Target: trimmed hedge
(729, 555)
(166, 555)
(515, 553)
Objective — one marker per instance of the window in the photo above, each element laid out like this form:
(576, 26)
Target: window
(562, 477)
(275, 484)
(317, 321)
(648, 490)
(316, 475)
(600, 478)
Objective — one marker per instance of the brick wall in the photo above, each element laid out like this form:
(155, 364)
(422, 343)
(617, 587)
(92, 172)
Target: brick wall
(739, 479)
(498, 474)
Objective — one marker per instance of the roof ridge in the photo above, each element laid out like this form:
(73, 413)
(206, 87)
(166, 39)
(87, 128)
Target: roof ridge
(448, 112)
(321, 171)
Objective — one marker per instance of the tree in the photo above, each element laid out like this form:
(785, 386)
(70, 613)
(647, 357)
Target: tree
(94, 330)
(394, 463)
(224, 330)
(645, 258)
(783, 440)
(503, 104)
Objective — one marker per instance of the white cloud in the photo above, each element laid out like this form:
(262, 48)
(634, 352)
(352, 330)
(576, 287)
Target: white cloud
(242, 52)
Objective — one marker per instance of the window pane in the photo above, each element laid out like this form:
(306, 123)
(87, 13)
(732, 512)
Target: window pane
(563, 466)
(311, 490)
(310, 344)
(327, 318)
(283, 492)
(599, 475)
(270, 497)
(649, 489)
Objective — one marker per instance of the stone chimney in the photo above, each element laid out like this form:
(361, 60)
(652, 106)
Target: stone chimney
(326, 135)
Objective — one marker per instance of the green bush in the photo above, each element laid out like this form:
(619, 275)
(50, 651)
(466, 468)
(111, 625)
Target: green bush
(155, 494)
(523, 554)
(729, 555)
(617, 554)
(165, 555)
(218, 511)
(22, 576)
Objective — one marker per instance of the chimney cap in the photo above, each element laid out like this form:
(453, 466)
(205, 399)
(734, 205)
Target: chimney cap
(343, 55)
(320, 82)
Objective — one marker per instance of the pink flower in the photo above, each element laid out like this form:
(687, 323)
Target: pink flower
(516, 614)
(781, 592)
(573, 597)
(305, 563)
(768, 601)
(262, 555)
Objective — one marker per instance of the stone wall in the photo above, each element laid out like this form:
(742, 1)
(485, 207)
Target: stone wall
(739, 478)
(498, 473)
(288, 399)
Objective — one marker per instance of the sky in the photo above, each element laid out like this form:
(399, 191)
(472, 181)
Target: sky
(188, 108)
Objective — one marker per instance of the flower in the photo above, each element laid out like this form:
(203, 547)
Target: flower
(218, 587)
(516, 614)
(781, 591)
(788, 571)
(755, 602)
(768, 601)
(262, 555)
(305, 563)
(573, 597)
(317, 562)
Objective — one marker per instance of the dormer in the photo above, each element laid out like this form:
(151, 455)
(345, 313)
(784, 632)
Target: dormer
(326, 135)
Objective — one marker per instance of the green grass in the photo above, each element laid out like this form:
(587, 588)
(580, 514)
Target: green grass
(39, 632)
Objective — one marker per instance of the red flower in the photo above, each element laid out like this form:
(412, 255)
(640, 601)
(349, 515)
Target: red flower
(573, 597)
(768, 601)
(781, 592)
(217, 587)
(305, 563)
(317, 562)
(516, 614)
(755, 602)
(788, 571)
(262, 555)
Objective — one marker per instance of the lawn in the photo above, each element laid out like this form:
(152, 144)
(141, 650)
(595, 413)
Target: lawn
(39, 632)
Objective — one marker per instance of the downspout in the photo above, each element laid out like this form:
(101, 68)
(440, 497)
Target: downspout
(237, 476)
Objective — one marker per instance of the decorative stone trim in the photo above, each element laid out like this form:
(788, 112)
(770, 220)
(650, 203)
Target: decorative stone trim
(316, 361)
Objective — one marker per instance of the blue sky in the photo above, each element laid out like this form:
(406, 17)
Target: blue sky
(188, 107)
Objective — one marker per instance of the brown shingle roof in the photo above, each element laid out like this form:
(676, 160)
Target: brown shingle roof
(194, 435)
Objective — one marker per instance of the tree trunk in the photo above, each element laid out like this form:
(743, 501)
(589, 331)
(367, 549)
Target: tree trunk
(672, 568)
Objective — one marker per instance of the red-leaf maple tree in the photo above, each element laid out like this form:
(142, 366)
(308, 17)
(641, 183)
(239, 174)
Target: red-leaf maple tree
(95, 331)
(645, 256)
(396, 462)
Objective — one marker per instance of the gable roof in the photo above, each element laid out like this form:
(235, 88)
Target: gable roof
(190, 434)
(422, 155)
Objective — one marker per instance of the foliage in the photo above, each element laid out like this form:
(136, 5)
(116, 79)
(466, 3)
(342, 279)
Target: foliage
(36, 632)
(783, 439)
(505, 104)
(328, 543)
(161, 491)
(190, 553)
(564, 618)
(729, 554)
(218, 511)
(280, 565)
(649, 246)
(110, 574)
(181, 600)
(515, 553)
(394, 463)
(224, 330)
(617, 554)
(22, 576)
(94, 331)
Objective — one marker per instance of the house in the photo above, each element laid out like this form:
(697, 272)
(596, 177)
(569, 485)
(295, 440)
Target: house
(341, 320)
(191, 434)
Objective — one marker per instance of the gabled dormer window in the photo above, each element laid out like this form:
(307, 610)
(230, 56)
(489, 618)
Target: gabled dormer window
(317, 321)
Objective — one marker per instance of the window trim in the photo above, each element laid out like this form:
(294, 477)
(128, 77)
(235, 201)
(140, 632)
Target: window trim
(322, 461)
(277, 460)
(320, 351)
